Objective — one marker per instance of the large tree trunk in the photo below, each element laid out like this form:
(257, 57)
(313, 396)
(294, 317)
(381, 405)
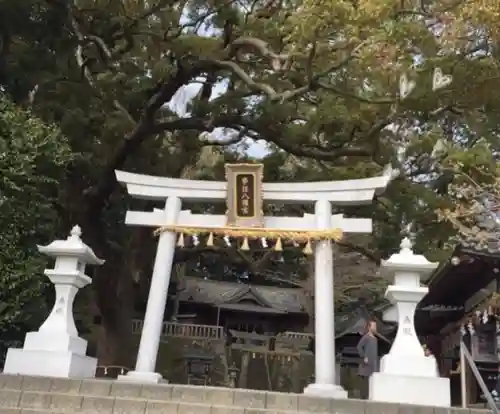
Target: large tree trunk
(178, 273)
(116, 297)
(309, 294)
(115, 302)
(112, 295)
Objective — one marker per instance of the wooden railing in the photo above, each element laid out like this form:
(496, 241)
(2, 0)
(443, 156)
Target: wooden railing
(296, 335)
(195, 331)
(183, 330)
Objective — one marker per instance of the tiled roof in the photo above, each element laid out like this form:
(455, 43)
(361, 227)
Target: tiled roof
(487, 237)
(217, 293)
(355, 323)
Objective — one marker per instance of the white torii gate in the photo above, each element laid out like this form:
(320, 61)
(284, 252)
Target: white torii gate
(322, 194)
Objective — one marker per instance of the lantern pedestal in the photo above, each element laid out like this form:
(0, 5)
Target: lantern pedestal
(409, 389)
(56, 350)
(49, 363)
(406, 375)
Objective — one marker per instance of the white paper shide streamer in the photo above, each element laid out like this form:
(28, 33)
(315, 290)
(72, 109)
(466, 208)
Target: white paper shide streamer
(196, 240)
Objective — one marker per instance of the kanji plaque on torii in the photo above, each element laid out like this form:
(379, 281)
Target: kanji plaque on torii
(244, 197)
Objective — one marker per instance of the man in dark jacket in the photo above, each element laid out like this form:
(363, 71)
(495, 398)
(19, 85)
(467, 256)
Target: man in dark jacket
(368, 351)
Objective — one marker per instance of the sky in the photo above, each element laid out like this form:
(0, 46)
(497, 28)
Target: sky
(185, 94)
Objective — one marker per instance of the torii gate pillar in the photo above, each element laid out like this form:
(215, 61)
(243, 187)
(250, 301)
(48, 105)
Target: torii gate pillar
(321, 194)
(324, 311)
(157, 299)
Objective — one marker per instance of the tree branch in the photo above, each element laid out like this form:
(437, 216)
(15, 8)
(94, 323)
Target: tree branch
(373, 256)
(276, 63)
(143, 130)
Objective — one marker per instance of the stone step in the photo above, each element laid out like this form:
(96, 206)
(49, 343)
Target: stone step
(33, 402)
(86, 404)
(112, 397)
(77, 403)
(67, 403)
(25, 411)
(249, 399)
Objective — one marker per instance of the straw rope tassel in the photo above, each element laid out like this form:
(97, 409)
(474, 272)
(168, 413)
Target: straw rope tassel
(278, 246)
(180, 241)
(308, 248)
(256, 233)
(244, 245)
(210, 240)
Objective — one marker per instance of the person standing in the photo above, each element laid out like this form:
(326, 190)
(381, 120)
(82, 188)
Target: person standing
(368, 351)
(428, 353)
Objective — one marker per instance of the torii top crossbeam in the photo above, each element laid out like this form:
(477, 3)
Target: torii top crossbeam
(341, 193)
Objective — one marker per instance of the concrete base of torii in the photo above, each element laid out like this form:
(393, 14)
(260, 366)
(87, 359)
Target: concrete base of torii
(326, 391)
(142, 377)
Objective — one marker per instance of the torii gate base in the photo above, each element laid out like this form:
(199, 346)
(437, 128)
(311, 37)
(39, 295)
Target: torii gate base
(321, 194)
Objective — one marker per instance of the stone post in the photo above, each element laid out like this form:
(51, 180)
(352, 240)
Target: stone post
(56, 350)
(324, 322)
(406, 365)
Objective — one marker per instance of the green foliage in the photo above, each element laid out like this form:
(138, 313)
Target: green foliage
(33, 157)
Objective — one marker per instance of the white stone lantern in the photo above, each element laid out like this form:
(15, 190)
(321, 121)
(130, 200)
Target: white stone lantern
(406, 365)
(56, 350)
